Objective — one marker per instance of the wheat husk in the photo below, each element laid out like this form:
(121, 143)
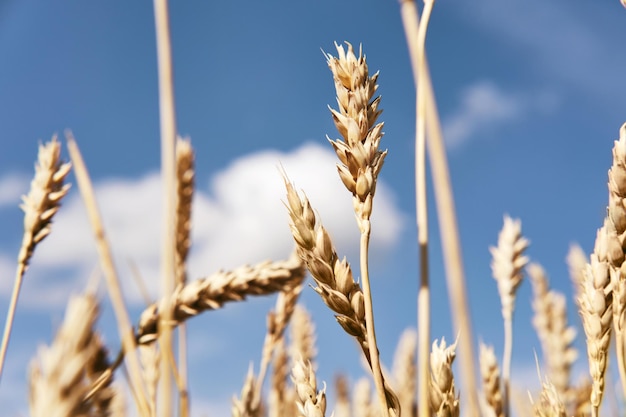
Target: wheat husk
(443, 398)
(310, 401)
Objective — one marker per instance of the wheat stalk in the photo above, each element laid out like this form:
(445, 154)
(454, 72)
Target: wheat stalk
(40, 205)
(310, 401)
(443, 398)
(490, 372)
(556, 336)
(507, 265)
(212, 292)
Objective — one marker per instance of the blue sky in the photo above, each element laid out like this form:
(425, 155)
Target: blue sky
(531, 96)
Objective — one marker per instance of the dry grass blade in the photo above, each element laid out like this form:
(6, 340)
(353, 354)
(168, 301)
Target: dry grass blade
(40, 205)
(443, 398)
(404, 372)
(507, 265)
(556, 336)
(58, 377)
(490, 373)
(212, 292)
(310, 401)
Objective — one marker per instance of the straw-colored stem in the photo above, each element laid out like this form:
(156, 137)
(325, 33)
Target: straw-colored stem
(369, 318)
(423, 298)
(447, 217)
(8, 325)
(506, 364)
(108, 267)
(183, 390)
(168, 143)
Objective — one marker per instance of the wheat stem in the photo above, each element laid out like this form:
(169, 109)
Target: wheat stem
(110, 274)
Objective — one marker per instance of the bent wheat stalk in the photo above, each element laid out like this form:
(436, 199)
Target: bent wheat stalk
(41, 204)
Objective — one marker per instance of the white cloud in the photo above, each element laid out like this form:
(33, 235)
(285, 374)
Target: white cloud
(12, 187)
(484, 106)
(238, 218)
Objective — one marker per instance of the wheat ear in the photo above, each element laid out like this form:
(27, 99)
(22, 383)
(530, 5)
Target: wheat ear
(310, 401)
(443, 398)
(596, 313)
(404, 372)
(507, 265)
(335, 283)
(281, 397)
(245, 406)
(342, 397)
(212, 292)
(490, 372)
(362, 399)
(40, 205)
(576, 263)
(556, 336)
(302, 336)
(550, 404)
(57, 376)
(361, 162)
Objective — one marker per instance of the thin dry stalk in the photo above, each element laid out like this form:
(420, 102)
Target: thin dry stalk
(507, 266)
(106, 260)
(342, 397)
(310, 401)
(150, 359)
(443, 398)
(404, 372)
(490, 373)
(450, 239)
(361, 162)
(40, 205)
(58, 380)
(212, 292)
(556, 336)
(167, 117)
(335, 283)
(185, 174)
(596, 312)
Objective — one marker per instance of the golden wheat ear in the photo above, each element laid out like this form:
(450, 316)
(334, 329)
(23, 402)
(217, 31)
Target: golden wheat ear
(42, 202)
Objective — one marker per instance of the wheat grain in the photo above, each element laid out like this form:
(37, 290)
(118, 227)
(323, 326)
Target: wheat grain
(310, 401)
(212, 292)
(556, 336)
(443, 399)
(490, 373)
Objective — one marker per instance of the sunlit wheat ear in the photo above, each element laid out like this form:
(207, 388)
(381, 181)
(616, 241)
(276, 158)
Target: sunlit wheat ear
(556, 336)
(355, 119)
(581, 395)
(281, 400)
(596, 312)
(549, 404)
(244, 407)
(212, 292)
(490, 373)
(42, 202)
(185, 176)
(310, 401)
(405, 372)
(508, 263)
(57, 376)
(576, 264)
(443, 398)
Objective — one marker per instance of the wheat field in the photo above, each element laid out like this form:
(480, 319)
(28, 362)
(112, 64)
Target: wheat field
(430, 357)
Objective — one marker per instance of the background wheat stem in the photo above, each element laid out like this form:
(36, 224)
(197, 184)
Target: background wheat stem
(423, 298)
(447, 216)
(506, 364)
(168, 141)
(369, 319)
(108, 267)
